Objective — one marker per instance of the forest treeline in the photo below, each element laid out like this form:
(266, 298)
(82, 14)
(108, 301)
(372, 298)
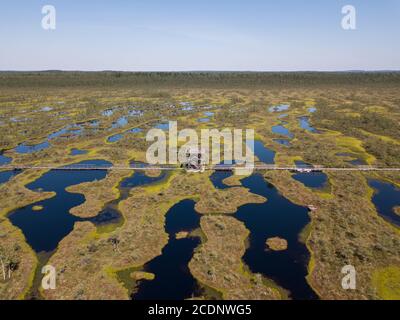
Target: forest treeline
(157, 80)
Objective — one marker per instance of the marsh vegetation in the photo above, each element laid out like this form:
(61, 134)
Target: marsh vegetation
(330, 119)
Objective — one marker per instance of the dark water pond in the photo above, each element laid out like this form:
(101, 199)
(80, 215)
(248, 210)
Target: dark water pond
(114, 138)
(218, 177)
(134, 130)
(173, 280)
(5, 176)
(353, 159)
(135, 113)
(276, 217)
(172, 276)
(25, 148)
(107, 113)
(208, 114)
(284, 142)
(264, 154)
(44, 229)
(186, 106)
(358, 162)
(94, 123)
(4, 160)
(110, 213)
(121, 122)
(385, 199)
(279, 108)
(315, 180)
(73, 130)
(119, 136)
(280, 129)
(163, 126)
(139, 178)
(77, 152)
(305, 124)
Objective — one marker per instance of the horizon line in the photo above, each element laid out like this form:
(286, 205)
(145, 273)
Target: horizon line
(209, 71)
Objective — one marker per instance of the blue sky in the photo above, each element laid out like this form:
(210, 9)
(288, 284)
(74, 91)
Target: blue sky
(181, 35)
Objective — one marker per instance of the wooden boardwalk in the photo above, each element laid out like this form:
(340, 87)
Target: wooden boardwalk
(218, 167)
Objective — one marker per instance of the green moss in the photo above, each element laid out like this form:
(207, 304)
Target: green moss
(387, 283)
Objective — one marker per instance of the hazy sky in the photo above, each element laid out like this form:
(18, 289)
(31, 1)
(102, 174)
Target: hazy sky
(199, 35)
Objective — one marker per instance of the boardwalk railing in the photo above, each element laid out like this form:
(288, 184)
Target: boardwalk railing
(218, 167)
(88, 167)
